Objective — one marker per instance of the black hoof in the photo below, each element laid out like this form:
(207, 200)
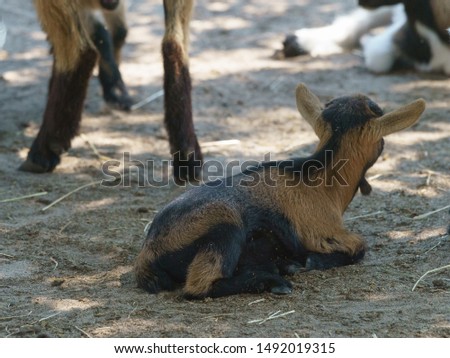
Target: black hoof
(29, 166)
(290, 267)
(37, 162)
(187, 169)
(281, 290)
(316, 261)
(122, 103)
(291, 47)
(276, 285)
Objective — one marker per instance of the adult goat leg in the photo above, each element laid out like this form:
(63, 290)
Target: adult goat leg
(109, 43)
(74, 60)
(187, 156)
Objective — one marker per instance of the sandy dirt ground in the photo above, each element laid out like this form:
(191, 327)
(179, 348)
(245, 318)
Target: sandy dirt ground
(67, 271)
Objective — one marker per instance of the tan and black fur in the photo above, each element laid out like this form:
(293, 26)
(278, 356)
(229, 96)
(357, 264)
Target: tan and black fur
(240, 234)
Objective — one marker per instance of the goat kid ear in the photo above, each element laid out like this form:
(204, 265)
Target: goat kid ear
(308, 105)
(401, 118)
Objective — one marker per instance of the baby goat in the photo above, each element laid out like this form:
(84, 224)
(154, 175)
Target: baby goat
(241, 233)
(417, 35)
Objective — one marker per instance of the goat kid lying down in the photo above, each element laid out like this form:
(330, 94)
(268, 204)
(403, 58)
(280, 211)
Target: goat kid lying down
(416, 34)
(242, 233)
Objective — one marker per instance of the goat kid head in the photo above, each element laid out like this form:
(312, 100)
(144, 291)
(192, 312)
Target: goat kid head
(354, 126)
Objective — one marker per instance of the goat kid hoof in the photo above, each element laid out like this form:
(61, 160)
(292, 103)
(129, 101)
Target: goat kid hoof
(281, 290)
(293, 269)
(187, 170)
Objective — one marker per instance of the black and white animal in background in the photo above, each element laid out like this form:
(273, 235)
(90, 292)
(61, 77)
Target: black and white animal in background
(416, 34)
(242, 233)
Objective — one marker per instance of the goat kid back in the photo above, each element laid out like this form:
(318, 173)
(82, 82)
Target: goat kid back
(240, 234)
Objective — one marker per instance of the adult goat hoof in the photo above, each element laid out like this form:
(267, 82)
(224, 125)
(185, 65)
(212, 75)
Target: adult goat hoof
(188, 170)
(121, 103)
(29, 166)
(38, 163)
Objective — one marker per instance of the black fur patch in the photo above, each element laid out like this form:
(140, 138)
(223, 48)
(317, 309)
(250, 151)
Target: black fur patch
(413, 46)
(318, 261)
(348, 112)
(225, 240)
(420, 10)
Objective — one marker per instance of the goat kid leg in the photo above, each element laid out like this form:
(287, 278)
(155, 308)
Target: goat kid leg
(345, 248)
(187, 156)
(316, 261)
(225, 266)
(215, 275)
(251, 282)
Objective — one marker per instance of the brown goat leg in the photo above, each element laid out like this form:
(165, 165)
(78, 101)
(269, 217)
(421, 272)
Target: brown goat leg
(250, 282)
(187, 156)
(115, 92)
(117, 27)
(62, 116)
(109, 43)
